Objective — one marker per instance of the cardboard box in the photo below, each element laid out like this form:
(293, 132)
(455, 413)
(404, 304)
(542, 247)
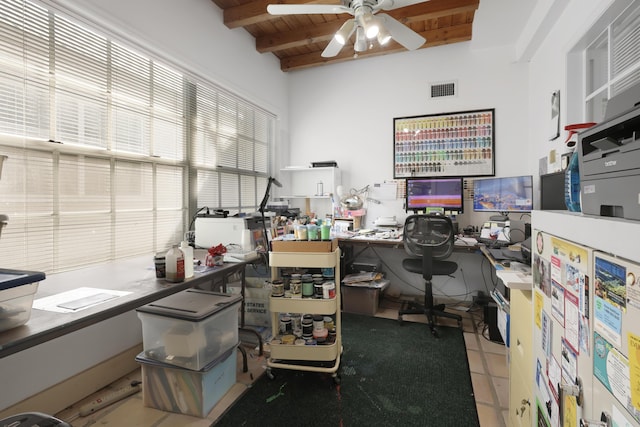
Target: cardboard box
(304, 245)
(363, 298)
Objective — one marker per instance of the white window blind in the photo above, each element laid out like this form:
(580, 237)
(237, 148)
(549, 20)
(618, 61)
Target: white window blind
(96, 137)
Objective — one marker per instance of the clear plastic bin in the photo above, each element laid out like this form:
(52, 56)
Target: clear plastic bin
(190, 328)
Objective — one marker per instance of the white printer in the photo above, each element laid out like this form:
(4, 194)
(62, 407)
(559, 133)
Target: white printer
(240, 231)
(609, 155)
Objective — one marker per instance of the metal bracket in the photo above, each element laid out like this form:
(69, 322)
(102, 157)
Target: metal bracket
(573, 390)
(605, 421)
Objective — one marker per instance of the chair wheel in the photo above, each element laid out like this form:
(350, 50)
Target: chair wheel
(400, 321)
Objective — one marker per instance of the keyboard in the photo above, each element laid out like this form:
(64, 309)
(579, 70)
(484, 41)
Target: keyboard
(240, 256)
(490, 243)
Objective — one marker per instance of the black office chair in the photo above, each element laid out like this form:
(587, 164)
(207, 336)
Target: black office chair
(429, 239)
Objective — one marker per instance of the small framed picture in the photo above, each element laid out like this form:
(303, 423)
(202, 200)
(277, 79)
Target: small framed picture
(554, 130)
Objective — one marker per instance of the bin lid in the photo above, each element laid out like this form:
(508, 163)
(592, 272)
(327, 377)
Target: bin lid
(13, 278)
(191, 304)
(144, 360)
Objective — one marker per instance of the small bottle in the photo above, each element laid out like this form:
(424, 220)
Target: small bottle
(188, 258)
(572, 184)
(175, 265)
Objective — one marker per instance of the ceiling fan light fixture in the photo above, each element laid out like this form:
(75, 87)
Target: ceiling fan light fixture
(345, 32)
(383, 36)
(361, 43)
(371, 25)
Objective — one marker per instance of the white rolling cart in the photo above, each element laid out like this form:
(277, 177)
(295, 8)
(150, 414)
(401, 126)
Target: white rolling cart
(287, 356)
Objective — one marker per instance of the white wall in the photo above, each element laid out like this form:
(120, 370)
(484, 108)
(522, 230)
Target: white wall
(345, 112)
(548, 72)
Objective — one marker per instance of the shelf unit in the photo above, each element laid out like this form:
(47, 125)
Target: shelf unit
(303, 183)
(282, 355)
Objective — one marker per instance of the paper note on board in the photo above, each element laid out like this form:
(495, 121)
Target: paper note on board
(634, 368)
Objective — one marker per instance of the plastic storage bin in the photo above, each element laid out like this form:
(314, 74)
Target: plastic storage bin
(16, 296)
(174, 389)
(190, 328)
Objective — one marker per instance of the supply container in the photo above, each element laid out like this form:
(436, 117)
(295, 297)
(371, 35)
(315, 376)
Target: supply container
(175, 389)
(17, 289)
(364, 297)
(188, 258)
(190, 328)
(174, 264)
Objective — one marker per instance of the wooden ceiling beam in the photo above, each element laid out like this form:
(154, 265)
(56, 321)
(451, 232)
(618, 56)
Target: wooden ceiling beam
(280, 41)
(454, 34)
(255, 12)
(322, 33)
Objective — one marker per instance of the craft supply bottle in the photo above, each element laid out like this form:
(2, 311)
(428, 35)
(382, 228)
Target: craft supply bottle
(175, 264)
(188, 258)
(572, 184)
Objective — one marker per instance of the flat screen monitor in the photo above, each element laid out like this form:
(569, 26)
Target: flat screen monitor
(504, 195)
(424, 194)
(552, 192)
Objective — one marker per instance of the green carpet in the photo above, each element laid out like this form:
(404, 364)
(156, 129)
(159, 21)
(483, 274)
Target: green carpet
(391, 375)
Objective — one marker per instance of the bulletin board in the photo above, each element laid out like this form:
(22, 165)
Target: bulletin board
(447, 144)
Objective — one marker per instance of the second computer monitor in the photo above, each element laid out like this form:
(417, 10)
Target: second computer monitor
(426, 194)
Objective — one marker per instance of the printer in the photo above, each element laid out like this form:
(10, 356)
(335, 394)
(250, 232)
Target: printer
(609, 160)
(243, 232)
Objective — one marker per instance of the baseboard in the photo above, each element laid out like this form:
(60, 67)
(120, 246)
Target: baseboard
(64, 394)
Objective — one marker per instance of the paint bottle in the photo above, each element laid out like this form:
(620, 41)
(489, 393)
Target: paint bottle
(175, 265)
(188, 258)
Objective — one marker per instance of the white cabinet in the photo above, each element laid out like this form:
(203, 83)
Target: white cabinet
(282, 353)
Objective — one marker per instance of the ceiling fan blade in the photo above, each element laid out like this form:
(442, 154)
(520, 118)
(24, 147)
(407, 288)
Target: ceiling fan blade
(332, 49)
(401, 33)
(396, 4)
(307, 9)
(335, 45)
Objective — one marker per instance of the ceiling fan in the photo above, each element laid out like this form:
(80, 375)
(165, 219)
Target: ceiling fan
(366, 26)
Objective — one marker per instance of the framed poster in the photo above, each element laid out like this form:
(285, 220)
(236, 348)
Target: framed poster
(449, 144)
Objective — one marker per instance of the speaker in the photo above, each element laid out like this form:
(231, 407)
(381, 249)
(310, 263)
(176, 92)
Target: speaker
(491, 320)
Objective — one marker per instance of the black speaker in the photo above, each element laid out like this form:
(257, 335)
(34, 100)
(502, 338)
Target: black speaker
(491, 320)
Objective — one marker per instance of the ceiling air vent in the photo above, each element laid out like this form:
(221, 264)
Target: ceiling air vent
(438, 90)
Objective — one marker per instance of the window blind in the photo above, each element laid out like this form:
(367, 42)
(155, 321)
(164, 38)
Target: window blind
(101, 140)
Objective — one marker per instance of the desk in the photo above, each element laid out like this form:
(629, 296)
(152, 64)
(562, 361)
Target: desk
(347, 245)
(132, 275)
(103, 339)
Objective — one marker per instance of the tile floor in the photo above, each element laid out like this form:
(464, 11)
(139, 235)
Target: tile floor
(487, 364)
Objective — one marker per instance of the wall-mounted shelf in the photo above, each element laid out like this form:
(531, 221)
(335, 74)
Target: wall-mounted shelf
(306, 183)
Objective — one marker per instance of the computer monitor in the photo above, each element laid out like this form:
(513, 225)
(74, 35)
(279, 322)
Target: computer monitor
(503, 195)
(427, 194)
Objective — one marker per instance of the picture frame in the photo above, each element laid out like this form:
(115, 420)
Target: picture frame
(445, 144)
(554, 125)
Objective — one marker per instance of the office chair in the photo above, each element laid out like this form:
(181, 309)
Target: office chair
(429, 239)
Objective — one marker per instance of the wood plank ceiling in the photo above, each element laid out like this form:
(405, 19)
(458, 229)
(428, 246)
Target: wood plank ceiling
(298, 40)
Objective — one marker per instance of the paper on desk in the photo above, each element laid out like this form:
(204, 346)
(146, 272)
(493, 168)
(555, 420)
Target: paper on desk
(514, 279)
(91, 296)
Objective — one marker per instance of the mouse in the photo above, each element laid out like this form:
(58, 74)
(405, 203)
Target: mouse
(506, 263)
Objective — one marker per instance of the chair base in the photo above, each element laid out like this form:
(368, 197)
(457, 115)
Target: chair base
(432, 313)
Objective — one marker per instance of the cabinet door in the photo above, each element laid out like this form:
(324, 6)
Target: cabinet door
(520, 357)
(561, 329)
(616, 339)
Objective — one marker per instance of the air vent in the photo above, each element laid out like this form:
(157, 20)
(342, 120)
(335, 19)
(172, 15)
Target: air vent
(439, 90)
